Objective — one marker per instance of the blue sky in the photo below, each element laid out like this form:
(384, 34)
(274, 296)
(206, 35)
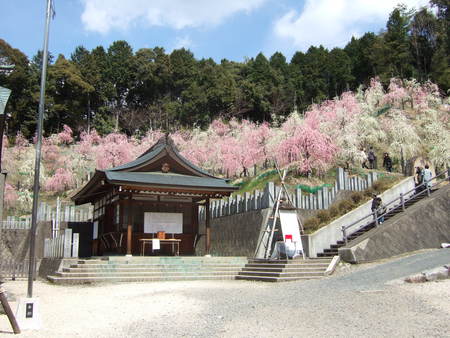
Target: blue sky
(231, 29)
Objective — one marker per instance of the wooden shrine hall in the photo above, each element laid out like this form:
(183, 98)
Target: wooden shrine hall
(156, 196)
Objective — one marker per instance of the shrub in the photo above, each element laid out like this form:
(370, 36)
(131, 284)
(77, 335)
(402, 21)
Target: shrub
(356, 197)
(323, 216)
(311, 224)
(369, 192)
(345, 206)
(334, 211)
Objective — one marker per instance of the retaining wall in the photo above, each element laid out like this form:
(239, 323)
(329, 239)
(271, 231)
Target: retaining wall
(424, 225)
(14, 244)
(330, 234)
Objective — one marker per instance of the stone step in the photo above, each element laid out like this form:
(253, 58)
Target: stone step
(175, 259)
(153, 269)
(273, 279)
(290, 261)
(280, 274)
(266, 269)
(331, 251)
(162, 260)
(290, 266)
(134, 266)
(327, 254)
(115, 279)
(144, 274)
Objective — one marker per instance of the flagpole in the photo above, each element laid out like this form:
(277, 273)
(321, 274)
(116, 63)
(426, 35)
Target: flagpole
(37, 163)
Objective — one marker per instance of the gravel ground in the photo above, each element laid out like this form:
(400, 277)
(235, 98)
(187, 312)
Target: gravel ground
(362, 301)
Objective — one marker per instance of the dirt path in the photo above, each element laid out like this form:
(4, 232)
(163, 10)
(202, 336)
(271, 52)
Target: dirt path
(338, 306)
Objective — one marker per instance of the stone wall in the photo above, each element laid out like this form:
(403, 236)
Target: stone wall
(424, 225)
(330, 234)
(237, 235)
(14, 244)
(234, 235)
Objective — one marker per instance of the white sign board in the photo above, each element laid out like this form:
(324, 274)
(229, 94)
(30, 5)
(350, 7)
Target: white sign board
(170, 222)
(95, 230)
(290, 228)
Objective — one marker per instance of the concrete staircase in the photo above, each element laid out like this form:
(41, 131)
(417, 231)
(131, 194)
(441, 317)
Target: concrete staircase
(265, 270)
(144, 269)
(333, 250)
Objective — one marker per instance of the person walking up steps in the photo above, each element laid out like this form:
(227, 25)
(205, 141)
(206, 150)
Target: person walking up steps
(427, 175)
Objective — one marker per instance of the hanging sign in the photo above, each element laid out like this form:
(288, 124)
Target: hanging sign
(4, 95)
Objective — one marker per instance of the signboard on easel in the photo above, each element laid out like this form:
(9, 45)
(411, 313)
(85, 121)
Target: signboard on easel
(291, 232)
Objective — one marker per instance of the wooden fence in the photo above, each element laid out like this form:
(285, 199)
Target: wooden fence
(11, 269)
(54, 213)
(64, 245)
(257, 200)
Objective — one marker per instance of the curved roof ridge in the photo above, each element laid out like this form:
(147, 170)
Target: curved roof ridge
(163, 143)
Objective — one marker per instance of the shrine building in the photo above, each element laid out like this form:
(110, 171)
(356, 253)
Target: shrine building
(156, 196)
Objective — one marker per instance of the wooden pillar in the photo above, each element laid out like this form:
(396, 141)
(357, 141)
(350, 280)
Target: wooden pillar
(129, 232)
(129, 228)
(208, 226)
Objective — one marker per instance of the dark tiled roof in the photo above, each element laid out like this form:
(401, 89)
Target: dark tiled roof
(163, 143)
(140, 160)
(168, 179)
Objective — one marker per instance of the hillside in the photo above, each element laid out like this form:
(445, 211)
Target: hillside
(407, 120)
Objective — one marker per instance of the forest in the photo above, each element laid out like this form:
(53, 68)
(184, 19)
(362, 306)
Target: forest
(134, 92)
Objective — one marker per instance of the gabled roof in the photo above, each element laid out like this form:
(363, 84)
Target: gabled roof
(163, 148)
(145, 173)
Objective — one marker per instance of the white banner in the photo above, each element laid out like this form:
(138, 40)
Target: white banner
(170, 222)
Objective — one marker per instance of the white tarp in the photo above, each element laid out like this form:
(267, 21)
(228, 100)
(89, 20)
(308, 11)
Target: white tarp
(291, 228)
(170, 222)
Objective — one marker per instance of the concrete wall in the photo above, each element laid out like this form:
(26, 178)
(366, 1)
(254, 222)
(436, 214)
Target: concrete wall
(324, 237)
(14, 244)
(48, 266)
(238, 234)
(424, 225)
(234, 235)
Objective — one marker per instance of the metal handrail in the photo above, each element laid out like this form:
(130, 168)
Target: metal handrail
(377, 216)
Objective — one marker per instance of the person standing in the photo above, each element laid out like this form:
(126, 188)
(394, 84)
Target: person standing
(364, 157)
(387, 162)
(381, 210)
(418, 179)
(371, 157)
(427, 175)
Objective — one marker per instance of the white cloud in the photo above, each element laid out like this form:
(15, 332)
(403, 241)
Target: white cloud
(104, 15)
(332, 23)
(183, 42)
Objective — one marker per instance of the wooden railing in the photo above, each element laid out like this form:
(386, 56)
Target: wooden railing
(424, 188)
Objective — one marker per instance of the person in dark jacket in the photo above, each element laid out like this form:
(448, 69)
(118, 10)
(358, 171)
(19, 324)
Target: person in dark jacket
(371, 157)
(387, 162)
(418, 179)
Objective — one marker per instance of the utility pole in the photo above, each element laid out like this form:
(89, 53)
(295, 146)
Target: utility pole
(37, 163)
